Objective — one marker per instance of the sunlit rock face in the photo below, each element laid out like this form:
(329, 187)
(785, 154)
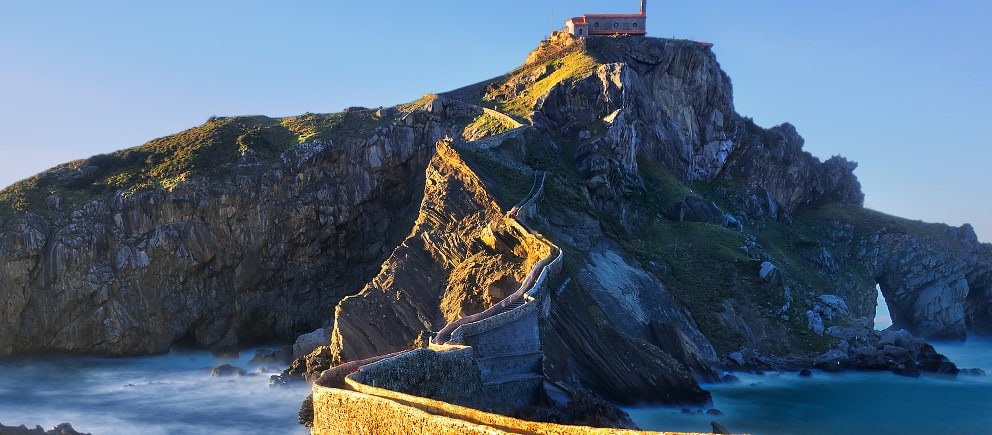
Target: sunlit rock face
(461, 257)
(669, 101)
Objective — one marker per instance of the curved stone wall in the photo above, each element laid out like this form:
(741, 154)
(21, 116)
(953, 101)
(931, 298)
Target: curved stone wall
(376, 411)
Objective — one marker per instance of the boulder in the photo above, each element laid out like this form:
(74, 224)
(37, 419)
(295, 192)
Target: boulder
(697, 209)
(225, 370)
(896, 353)
(814, 322)
(907, 369)
(933, 362)
(895, 337)
(737, 358)
(832, 360)
(306, 343)
(769, 273)
(971, 372)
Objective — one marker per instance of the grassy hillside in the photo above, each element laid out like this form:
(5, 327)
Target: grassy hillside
(164, 162)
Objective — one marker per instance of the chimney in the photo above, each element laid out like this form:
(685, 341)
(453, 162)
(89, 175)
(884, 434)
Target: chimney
(644, 7)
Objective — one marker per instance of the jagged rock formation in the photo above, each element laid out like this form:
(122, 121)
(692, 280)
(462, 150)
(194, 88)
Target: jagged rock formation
(693, 238)
(669, 101)
(648, 101)
(262, 250)
(461, 257)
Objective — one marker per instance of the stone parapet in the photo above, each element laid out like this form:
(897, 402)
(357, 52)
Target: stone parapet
(370, 410)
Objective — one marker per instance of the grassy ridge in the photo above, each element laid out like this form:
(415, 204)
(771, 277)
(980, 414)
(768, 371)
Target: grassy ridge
(549, 73)
(164, 162)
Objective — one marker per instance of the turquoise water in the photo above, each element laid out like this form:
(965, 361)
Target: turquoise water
(845, 403)
(167, 394)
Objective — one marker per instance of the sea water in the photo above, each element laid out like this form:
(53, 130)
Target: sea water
(846, 403)
(167, 394)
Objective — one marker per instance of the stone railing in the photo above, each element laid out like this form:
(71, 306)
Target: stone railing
(531, 284)
(370, 410)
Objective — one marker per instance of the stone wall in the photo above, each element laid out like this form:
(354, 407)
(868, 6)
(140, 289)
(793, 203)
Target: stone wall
(498, 371)
(450, 375)
(377, 411)
(508, 355)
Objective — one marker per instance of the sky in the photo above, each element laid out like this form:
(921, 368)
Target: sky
(901, 87)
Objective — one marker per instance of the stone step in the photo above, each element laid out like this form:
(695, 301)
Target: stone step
(513, 305)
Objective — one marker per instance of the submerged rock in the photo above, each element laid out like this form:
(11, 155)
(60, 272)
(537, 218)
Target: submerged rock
(895, 350)
(971, 372)
(224, 370)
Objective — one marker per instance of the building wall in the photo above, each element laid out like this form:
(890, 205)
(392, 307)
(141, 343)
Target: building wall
(607, 24)
(509, 357)
(612, 25)
(498, 371)
(576, 29)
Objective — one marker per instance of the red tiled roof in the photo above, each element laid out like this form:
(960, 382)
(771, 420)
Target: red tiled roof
(578, 20)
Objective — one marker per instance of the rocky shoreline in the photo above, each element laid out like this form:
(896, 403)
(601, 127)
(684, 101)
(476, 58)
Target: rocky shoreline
(859, 349)
(694, 240)
(61, 429)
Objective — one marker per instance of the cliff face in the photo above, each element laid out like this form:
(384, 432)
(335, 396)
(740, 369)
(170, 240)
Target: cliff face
(256, 251)
(763, 246)
(461, 257)
(693, 239)
(669, 102)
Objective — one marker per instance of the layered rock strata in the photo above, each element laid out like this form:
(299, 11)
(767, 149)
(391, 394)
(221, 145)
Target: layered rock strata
(263, 252)
(462, 256)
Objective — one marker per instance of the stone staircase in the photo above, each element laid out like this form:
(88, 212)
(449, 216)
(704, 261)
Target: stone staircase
(513, 305)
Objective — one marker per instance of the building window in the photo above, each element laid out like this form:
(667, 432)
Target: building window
(580, 32)
(596, 25)
(635, 25)
(616, 25)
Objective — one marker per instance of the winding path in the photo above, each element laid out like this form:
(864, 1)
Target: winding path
(533, 281)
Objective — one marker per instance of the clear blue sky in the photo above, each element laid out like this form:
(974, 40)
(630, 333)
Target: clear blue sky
(902, 87)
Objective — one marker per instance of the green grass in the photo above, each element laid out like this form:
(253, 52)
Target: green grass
(487, 125)
(505, 184)
(571, 66)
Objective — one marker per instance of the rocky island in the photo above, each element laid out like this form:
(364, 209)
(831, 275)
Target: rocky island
(675, 240)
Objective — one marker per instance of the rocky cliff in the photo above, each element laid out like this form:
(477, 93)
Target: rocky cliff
(252, 247)
(461, 257)
(693, 239)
